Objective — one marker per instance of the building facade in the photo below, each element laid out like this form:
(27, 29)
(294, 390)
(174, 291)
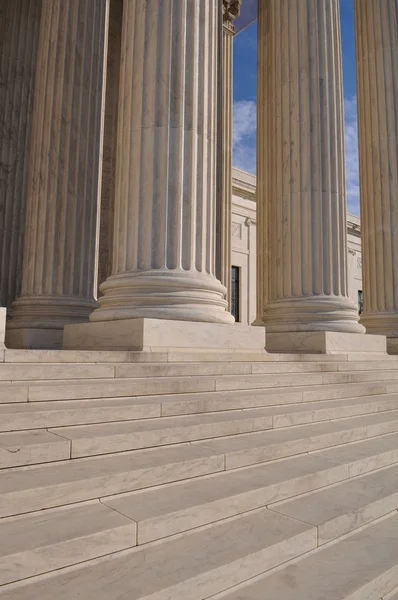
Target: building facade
(116, 170)
(243, 243)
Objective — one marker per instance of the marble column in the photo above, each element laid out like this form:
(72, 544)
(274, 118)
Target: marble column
(376, 32)
(64, 173)
(19, 32)
(110, 140)
(231, 9)
(302, 173)
(165, 191)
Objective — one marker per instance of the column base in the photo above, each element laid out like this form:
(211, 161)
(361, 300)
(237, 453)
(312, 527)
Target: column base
(325, 342)
(34, 339)
(159, 334)
(392, 345)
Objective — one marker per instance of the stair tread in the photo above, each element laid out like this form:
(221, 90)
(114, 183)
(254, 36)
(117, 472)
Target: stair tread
(361, 566)
(362, 450)
(43, 486)
(193, 565)
(185, 505)
(344, 506)
(28, 532)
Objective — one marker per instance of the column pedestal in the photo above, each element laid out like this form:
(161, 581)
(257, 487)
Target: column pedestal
(161, 334)
(325, 342)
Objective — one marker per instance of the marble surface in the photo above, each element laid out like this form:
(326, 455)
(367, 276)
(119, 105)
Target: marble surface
(178, 569)
(343, 507)
(161, 334)
(51, 485)
(59, 538)
(325, 342)
(360, 567)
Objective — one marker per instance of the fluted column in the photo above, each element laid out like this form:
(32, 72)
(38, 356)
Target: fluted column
(164, 220)
(231, 9)
(376, 32)
(64, 173)
(301, 168)
(19, 31)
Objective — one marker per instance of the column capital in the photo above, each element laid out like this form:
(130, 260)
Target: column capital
(231, 10)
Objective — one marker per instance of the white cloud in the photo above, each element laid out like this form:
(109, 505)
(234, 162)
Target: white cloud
(244, 135)
(351, 154)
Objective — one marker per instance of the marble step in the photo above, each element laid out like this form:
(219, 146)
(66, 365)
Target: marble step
(24, 447)
(39, 415)
(36, 415)
(50, 485)
(193, 565)
(57, 538)
(338, 509)
(82, 356)
(249, 449)
(44, 486)
(186, 355)
(30, 447)
(88, 440)
(361, 566)
(18, 372)
(311, 386)
(393, 595)
(182, 506)
(365, 455)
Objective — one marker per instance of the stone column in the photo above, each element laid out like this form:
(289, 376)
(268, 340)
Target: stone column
(19, 32)
(302, 176)
(64, 173)
(376, 32)
(231, 9)
(164, 220)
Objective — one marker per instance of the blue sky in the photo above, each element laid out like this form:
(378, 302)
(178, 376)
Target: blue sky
(245, 59)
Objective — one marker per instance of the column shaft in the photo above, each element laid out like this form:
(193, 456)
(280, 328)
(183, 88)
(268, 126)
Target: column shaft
(231, 10)
(301, 168)
(164, 220)
(20, 21)
(64, 172)
(376, 32)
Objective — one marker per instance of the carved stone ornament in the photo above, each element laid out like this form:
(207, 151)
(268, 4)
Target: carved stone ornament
(231, 10)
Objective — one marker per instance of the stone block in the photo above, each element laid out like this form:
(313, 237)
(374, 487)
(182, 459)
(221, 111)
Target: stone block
(325, 342)
(155, 334)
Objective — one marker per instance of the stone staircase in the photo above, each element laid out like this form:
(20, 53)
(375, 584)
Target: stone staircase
(192, 475)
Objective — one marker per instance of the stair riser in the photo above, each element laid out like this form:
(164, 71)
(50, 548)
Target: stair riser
(36, 562)
(60, 418)
(14, 456)
(168, 385)
(290, 448)
(64, 418)
(29, 500)
(321, 415)
(221, 578)
(173, 435)
(179, 521)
